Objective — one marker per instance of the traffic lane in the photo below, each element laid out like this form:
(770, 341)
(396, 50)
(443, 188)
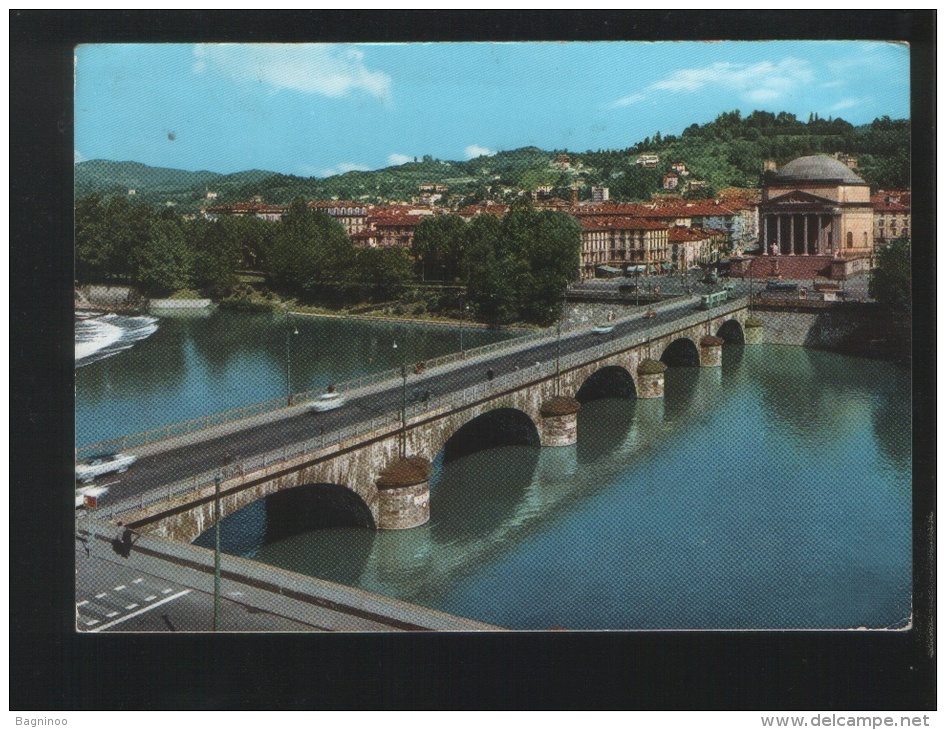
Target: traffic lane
(113, 597)
(165, 468)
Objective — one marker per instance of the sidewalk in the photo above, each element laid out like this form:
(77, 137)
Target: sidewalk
(276, 599)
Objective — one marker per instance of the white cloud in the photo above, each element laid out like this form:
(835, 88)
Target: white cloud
(77, 156)
(342, 168)
(846, 104)
(758, 82)
(313, 69)
(396, 158)
(628, 100)
(474, 150)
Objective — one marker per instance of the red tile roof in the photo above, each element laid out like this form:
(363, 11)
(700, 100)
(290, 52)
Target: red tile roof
(678, 234)
(619, 223)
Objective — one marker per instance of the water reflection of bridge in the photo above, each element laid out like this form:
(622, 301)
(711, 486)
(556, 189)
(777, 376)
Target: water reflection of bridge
(539, 486)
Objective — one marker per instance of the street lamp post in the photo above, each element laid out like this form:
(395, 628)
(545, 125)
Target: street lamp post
(403, 440)
(466, 313)
(217, 480)
(289, 356)
(558, 344)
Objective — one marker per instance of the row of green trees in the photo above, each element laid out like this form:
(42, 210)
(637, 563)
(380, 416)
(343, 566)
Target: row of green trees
(514, 269)
(308, 254)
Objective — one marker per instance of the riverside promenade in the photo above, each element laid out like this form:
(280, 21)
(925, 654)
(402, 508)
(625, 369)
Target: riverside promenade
(166, 586)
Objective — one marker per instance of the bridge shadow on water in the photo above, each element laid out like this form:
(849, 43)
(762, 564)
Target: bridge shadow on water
(470, 501)
(324, 530)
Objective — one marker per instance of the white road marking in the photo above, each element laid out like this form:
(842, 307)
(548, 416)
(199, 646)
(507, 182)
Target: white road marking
(140, 611)
(119, 588)
(111, 613)
(166, 590)
(150, 598)
(131, 606)
(101, 595)
(81, 603)
(92, 622)
(137, 580)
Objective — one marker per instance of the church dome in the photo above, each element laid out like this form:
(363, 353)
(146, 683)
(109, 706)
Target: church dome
(816, 167)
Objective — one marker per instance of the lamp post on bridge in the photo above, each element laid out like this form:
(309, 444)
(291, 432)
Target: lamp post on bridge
(403, 440)
(217, 480)
(466, 313)
(295, 331)
(558, 343)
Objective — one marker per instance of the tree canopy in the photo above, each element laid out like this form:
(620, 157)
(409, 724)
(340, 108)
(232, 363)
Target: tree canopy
(891, 281)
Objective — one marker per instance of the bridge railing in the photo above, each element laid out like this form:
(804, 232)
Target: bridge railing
(145, 438)
(392, 418)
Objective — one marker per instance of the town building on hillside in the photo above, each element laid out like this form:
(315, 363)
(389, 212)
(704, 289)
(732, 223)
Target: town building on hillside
(671, 181)
(845, 159)
(647, 160)
(891, 215)
(816, 205)
(210, 195)
(255, 209)
(617, 241)
(469, 212)
(600, 194)
(680, 168)
(354, 216)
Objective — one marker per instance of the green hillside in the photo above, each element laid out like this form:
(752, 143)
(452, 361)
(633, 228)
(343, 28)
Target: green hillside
(729, 151)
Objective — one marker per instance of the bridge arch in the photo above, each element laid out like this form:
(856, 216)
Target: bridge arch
(612, 381)
(310, 507)
(682, 352)
(497, 427)
(731, 332)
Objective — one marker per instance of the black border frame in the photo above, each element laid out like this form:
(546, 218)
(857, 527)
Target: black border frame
(52, 668)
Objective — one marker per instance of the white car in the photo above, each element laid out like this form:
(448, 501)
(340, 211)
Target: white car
(103, 464)
(603, 329)
(82, 492)
(327, 402)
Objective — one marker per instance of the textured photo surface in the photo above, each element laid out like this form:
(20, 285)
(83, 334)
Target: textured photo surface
(493, 336)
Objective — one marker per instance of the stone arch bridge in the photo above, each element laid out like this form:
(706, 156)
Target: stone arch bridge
(385, 472)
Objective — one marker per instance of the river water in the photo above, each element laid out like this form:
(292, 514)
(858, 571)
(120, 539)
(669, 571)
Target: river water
(774, 492)
(202, 362)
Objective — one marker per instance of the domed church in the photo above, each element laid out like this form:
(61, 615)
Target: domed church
(816, 206)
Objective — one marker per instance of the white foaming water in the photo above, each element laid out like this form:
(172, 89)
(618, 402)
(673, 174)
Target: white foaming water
(101, 337)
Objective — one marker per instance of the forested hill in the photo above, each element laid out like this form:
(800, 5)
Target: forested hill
(729, 151)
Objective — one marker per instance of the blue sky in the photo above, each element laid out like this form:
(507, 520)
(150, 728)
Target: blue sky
(324, 109)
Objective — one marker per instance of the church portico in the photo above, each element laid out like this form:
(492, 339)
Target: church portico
(815, 206)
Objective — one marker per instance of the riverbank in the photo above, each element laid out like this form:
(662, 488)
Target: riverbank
(438, 321)
(857, 329)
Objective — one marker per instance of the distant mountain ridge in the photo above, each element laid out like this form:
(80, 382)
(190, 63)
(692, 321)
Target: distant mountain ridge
(729, 151)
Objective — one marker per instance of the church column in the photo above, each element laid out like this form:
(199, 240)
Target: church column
(778, 235)
(791, 235)
(765, 235)
(805, 248)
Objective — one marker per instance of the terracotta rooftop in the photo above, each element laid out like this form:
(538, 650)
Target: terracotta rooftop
(618, 223)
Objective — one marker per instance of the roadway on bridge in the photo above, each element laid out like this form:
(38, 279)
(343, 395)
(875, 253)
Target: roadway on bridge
(152, 472)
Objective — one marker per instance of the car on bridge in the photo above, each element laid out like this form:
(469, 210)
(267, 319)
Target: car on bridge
(96, 466)
(83, 492)
(327, 402)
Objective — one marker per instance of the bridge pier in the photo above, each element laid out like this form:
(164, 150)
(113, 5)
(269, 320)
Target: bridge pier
(754, 329)
(650, 379)
(558, 421)
(404, 494)
(711, 352)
